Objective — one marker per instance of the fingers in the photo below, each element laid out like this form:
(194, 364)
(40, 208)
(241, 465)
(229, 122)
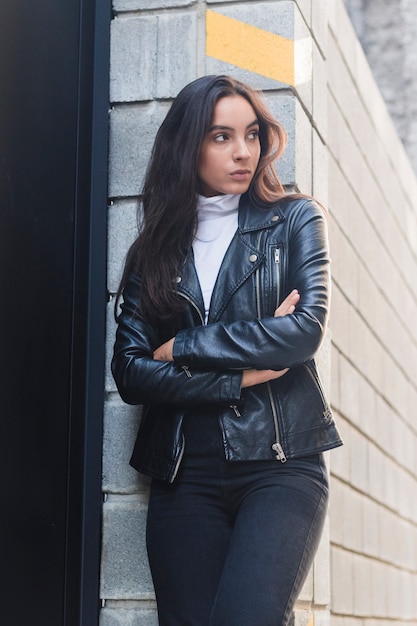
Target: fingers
(281, 373)
(288, 305)
(250, 378)
(164, 352)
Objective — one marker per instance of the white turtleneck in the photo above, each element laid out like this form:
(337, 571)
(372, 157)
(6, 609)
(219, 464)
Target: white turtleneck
(217, 223)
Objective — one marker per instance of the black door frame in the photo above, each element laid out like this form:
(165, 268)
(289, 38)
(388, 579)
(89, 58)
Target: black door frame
(89, 318)
(75, 71)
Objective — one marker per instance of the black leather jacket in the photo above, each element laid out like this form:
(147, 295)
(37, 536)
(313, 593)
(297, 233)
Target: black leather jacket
(274, 250)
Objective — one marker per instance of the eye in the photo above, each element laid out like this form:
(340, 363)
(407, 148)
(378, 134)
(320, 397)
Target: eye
(220, 137)
(254, 134)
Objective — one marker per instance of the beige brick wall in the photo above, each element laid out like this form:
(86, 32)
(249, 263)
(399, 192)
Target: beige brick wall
(373, 211)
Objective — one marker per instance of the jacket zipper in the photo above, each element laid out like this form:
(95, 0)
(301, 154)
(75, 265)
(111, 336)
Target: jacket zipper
(258, 308)
(178, 463)
(280, 455)
(258, 283)
(187, 371)
(188, 374)
(326, 410)
(185, 368)
(193, 304)
(277, 260)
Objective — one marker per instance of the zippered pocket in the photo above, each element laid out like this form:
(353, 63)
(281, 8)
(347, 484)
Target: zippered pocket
(272, 295)
(277, 272)
(327, 414)
(276, 447)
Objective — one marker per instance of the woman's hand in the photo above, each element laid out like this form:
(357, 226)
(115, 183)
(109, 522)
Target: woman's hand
(256, 377)
(164, 352)
(250, 378)
(288, 305)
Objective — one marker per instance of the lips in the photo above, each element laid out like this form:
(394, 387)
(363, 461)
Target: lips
(244, 173)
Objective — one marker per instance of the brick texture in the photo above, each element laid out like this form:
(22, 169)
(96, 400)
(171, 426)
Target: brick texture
(373, 208)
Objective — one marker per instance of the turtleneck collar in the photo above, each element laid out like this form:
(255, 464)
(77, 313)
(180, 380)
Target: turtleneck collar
(217, 217)
(214, 206)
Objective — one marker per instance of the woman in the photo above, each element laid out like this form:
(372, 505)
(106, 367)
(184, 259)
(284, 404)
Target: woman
(225, 301)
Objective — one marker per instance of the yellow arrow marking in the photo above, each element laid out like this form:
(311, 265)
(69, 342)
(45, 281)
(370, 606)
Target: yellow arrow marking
(249, 47)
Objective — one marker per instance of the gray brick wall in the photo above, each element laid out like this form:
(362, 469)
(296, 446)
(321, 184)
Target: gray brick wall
(387, 30)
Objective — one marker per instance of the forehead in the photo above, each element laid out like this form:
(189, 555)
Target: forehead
(233, 110)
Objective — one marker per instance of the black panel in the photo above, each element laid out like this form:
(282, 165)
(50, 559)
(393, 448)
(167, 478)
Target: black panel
(48, 121)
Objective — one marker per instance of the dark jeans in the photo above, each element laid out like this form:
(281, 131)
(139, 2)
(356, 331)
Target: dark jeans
(230, 544)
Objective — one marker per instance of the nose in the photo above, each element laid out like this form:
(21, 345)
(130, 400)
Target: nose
(241, 151)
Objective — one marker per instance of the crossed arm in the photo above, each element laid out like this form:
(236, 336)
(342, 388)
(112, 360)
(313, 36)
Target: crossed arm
(250, 377)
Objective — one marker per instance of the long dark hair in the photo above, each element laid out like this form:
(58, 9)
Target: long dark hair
(169, 198)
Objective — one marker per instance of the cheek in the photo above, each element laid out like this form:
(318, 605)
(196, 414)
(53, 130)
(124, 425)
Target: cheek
(257, 158)
(201, 165)
(208, 164)
(202, 169)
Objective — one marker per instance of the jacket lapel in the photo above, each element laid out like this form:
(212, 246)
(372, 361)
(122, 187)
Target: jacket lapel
(245, 253)
(243, 257)
(241, 260)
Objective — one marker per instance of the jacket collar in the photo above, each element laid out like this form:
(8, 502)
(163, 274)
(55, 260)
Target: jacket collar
(254, 216)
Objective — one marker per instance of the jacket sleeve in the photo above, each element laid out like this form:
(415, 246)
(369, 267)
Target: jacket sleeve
(141, 379)
(273, 342)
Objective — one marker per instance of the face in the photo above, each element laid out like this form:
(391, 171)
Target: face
(231, 149)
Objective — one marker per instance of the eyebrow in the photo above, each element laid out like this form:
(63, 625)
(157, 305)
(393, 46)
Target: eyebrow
(220, 127)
